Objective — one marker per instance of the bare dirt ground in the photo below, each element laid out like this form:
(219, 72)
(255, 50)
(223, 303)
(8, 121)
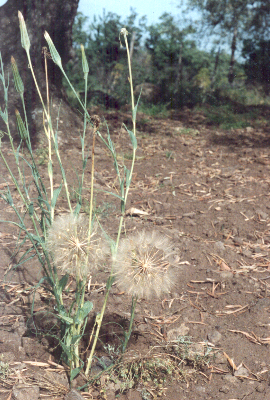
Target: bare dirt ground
(206, 189)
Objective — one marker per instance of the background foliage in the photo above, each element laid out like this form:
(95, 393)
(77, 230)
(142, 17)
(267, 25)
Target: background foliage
(167, 54)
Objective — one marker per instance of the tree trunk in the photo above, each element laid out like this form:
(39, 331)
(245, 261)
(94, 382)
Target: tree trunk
(233, 48)
(57, 18)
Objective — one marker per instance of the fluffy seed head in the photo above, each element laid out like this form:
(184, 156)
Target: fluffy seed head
(68, 243)
(142, 264)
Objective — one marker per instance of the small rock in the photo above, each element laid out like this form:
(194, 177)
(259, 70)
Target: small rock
(188, 215)
(219, 247)
(224, 389)
(11, 341)
(214, 337)
(22, 392)
(104, 362)
(142, 328)
(220, 359)
(247, 253)
(262, 214)
(173, 334)
(260, 388)
(73, 395)
(33, 297)
(238, 241)
(242, 371)
(58, 378)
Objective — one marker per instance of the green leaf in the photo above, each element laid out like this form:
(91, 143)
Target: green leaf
(63, 282)
(31, 209)
(75, 372)
(54, 53)
(115, 195)
(56, 193)
(66, 350)
(83, 312)
(127, 173)
(132, 137)
(68, 320)
(134, 111)
(4, 116)
(75, 338)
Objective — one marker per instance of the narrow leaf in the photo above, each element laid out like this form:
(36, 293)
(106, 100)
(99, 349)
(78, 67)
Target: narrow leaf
(56, 193)
(134, 111)
(68, 320)
(62, 283)
(132, 137)
(75, 338)
(75, 372)
(31, 209)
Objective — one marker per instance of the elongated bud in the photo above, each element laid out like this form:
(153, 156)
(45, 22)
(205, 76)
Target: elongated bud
(19, 86)
(24, 34)
(84, 63)
(21, 128)
(54, 53)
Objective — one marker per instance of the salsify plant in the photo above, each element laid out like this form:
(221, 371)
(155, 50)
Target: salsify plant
(75, 245)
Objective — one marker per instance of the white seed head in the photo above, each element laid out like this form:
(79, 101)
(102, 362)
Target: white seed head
(142, 264)
(68, 242)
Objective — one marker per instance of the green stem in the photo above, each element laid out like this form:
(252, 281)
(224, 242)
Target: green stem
(98, 322)
(51, 130)
(128, 333)
(99, 317)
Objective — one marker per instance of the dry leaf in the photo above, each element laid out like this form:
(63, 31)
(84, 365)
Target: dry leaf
(135, 211)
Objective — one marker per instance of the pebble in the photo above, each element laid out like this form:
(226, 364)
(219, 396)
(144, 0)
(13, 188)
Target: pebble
(214, 337)
(238, 241)
(219, 247)
(247, 253)
(73, 395)
(260, 388)
(224, 389)
(242, 371)
(262, 214)
(220, 359)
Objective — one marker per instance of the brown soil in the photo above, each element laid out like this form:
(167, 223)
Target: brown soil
(206, 189)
